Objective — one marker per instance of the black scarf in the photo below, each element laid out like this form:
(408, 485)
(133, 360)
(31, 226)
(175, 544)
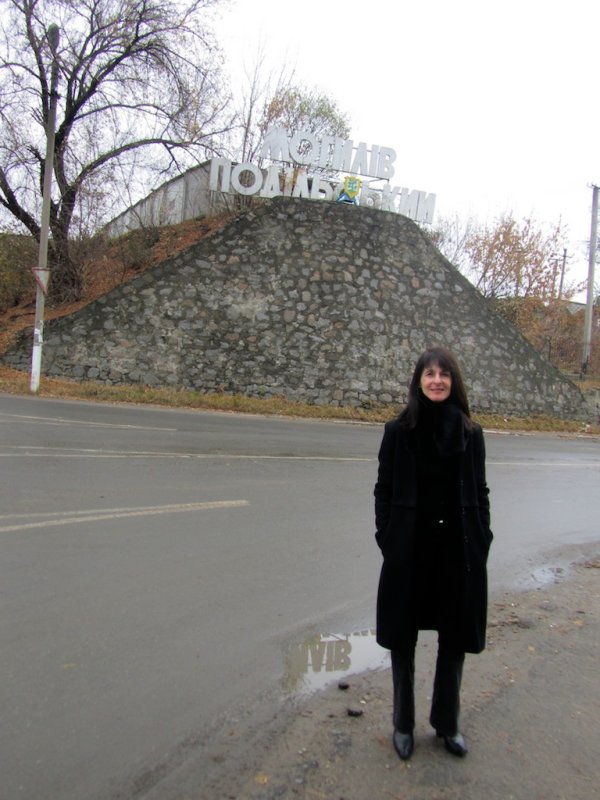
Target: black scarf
(446, 422)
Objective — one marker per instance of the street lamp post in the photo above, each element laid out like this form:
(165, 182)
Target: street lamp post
(42, 273)
(589, 309)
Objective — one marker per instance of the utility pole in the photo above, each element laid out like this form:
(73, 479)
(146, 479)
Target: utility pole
(587, 330)
(41, 273)
(562, 273)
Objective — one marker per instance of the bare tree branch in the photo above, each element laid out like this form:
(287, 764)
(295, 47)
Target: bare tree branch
(137, 78)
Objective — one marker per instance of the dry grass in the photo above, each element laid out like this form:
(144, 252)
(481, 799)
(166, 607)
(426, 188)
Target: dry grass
(589, 385)
(14, 382)
(107, 270)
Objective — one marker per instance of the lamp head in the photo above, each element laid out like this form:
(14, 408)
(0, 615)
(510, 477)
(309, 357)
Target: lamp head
(53, 36)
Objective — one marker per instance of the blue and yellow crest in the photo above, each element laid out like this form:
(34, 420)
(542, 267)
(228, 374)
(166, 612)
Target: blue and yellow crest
(350, 191)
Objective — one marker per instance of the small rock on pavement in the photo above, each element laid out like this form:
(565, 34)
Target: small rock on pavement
(355, 712)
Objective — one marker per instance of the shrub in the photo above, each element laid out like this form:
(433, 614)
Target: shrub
(18, 254)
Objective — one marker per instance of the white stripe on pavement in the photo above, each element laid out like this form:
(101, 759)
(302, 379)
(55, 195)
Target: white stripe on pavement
(75, 517)
(77, 422)
(39, 452)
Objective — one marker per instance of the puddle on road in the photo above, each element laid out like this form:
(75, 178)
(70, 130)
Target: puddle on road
(324, 658)
(543, 576)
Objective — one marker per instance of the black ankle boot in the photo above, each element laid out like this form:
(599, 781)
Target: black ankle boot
(403, 744)
(455, 744)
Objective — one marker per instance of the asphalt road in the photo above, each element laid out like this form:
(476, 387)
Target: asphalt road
(157, 567)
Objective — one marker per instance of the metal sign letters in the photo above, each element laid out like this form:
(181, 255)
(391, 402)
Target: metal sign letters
(330, 155)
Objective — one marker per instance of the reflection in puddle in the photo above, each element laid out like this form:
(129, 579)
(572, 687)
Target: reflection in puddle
(322, 659)
(542, 576)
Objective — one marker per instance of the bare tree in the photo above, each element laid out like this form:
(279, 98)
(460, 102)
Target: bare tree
(296, 108)
(515, 259)
(259, 89)
(451, 235)
(140, 98)
(518, 266)
(508, 258)
(276, 100)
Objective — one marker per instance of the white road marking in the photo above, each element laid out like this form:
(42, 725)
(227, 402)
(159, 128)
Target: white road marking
(74, 422)
(62, 452)
(34, 451)
(26, 451)
(76, 517)
(562, 464)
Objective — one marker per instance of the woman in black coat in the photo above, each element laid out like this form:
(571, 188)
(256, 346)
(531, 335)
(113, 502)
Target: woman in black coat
(432, 519)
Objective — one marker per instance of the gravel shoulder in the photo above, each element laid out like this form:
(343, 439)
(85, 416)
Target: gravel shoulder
(530, 714)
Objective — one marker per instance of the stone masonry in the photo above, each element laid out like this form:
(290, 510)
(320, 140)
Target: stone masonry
(318, 302)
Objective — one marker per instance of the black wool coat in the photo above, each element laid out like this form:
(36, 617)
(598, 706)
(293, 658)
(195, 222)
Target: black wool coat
(396, 502)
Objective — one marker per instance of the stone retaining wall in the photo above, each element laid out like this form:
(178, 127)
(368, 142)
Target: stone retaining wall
(318, 302)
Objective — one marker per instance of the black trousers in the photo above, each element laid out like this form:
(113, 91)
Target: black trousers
(445, 703)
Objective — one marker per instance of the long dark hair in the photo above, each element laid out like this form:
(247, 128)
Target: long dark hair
(458, 394)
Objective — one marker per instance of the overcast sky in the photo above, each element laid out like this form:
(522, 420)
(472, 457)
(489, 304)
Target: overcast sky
(492, 106)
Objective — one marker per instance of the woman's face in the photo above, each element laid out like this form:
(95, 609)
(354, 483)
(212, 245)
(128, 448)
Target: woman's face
(436, 383)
